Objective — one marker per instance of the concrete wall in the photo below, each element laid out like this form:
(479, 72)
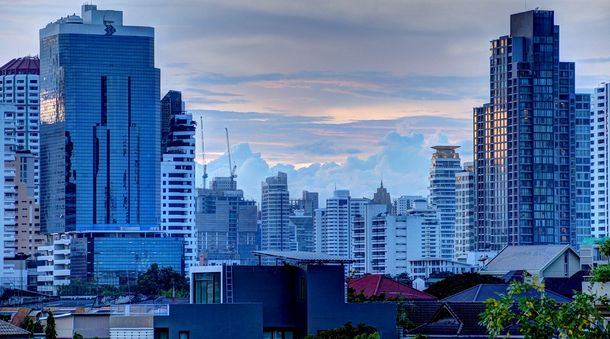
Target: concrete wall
(213, 321)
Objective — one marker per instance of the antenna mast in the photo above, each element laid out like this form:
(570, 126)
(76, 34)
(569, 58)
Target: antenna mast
(205, 166)
(232, 167)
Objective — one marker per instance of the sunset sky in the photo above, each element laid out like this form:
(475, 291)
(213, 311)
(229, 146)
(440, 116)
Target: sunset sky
(336, 93)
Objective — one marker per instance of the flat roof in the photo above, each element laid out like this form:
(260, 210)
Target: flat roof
(304, 257)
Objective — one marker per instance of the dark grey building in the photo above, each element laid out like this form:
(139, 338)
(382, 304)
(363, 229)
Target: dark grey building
(525, 141)
(301, 295)
(100, 125)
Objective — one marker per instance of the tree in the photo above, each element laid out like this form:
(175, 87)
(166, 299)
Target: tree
(348, 331)
(458, 283)
(404, 278)
(164, 281)
(604, 249)
(543, 317)
(49, 331)
(77, 336)
(354, 297)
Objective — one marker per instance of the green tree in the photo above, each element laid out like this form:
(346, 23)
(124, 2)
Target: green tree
(604, 249)
(348, 331)
(354, 297)
(29, 325)
(164, 281)
(459, 282)
(49, 331)
(404, 278)
(77, 336)
(543, 317)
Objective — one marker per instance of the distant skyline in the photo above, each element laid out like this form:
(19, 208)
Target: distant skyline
(332, 92)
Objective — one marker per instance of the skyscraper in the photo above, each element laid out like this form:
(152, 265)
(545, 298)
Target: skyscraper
(600, 121)
(464, 212)
(525, 142)
(275, 212)
(445, 164)
(7, 185)
(333, 229)
(178, 175)
(226, 222)
(100, 154)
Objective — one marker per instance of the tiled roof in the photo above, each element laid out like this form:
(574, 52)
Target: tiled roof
(8, 329)
(483, 292)
(377, 284)
(25, 65)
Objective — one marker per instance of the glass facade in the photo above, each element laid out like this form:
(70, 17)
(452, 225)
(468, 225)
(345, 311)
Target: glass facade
(206, 288)
(100, 117)
(525, 140)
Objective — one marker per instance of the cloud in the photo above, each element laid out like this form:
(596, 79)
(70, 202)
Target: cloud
(403, 161)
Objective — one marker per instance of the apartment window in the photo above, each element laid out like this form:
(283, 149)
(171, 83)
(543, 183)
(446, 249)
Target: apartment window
(184, 335)
(161, 333)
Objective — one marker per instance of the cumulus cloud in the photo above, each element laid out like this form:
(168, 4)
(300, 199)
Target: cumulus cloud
(402, 161)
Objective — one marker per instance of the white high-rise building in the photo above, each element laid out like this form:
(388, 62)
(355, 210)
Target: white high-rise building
(445, 164)
(178, 176)
(7, 180)
(276, 232)
(464, 212)
(333, 224)
(426, 220)
(600, 123)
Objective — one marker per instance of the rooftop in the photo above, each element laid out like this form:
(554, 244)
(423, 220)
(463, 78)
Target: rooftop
(303, 257)
(378, 284)
(531, 258)
(10, 330)
(483, 292)
(24, 65)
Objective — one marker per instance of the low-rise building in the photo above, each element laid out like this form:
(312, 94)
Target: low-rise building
(422, 268)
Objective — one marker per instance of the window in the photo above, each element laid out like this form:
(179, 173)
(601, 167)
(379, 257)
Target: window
(183, 335)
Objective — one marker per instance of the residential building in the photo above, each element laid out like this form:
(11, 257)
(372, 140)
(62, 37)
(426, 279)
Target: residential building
(333, 223)
(302, 295)
(226, 222)
(541, 261)
(582, 178)
(383, 197)
(178, 174)
(303, 225)
(105, 257)
(422, 268)
(275, 215)
(100, 123)
(7, 185)
(28, 235)
(423, 223)
(405, 203)
(20, 86)
(373, 236)
(464, 212)
(600, 120)
(525, 146)
(445, 164)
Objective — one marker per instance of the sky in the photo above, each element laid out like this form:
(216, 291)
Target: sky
(337, 93)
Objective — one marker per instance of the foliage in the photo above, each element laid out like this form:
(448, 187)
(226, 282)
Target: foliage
(604, 249)
(543, 317)
(402, 315)
(49, 331)
(600, 274)
(458, 283)
(348, 331)
(77, 336)
(354, 297)
(441, 274)
(155, 282)
(403, 278)
(31, 326)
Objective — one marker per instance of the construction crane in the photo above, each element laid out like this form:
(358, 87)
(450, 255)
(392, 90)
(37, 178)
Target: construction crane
(205, 166)
(232, 168)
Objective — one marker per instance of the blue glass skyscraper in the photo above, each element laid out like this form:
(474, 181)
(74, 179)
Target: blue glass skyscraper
(100, 116)
(528, 148)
